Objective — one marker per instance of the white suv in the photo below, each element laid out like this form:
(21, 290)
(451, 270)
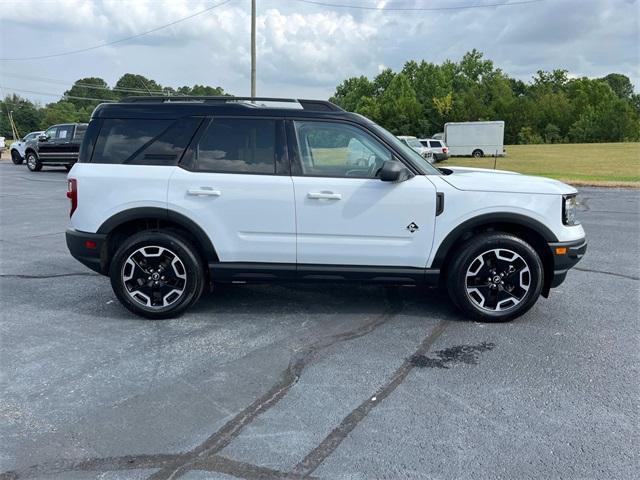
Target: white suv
(171, 196)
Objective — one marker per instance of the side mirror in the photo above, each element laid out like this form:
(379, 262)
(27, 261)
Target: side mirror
(43, 137)
(392, 171)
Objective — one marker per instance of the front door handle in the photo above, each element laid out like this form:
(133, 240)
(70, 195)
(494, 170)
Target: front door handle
(324, 195)
(204, 192)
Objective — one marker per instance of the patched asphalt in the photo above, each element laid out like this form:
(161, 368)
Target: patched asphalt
(326, 381)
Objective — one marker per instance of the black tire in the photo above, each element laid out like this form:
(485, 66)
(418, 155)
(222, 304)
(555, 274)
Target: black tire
(174, 246)
(477, 153)
(480, 295)
(68, 167)
(16, 158)
(33, 162)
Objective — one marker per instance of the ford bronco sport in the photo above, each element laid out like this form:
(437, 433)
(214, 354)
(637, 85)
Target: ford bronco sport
(171, 195)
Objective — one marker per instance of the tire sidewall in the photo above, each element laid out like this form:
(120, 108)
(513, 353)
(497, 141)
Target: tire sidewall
(182, 248)
(474, 247)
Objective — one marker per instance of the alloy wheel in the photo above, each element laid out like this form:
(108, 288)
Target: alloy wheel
(498, 280)
(154, 277)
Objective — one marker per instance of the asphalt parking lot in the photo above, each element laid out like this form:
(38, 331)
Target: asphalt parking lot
(336, 382)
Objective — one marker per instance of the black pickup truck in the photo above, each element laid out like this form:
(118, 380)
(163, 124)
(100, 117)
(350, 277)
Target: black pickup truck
(58, 145)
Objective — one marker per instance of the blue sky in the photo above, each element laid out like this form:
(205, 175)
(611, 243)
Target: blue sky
(305, 50)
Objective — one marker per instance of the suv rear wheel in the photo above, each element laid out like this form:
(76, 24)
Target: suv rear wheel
(495, 277)
(156, 274)
(33, 163)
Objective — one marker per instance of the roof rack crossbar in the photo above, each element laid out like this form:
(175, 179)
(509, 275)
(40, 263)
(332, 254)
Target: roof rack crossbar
(322, 105)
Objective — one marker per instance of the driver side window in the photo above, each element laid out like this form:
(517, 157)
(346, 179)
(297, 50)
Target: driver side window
(51, 132)
(331, 149)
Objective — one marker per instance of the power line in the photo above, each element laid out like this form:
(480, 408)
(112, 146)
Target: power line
(84, 85)
(418, 9)
(138, 35)
(57, 95)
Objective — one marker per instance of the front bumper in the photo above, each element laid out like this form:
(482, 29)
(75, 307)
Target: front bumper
(87, 249)
(565, 256)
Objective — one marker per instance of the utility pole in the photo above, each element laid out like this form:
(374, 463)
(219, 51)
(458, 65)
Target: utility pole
(253, 48)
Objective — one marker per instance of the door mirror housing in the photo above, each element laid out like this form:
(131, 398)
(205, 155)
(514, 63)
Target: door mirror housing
(393, 171)
(43, 137)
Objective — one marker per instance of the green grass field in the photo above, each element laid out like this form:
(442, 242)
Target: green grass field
(607, 164)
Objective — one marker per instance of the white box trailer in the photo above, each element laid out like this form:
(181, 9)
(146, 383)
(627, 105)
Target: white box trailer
(474, 138)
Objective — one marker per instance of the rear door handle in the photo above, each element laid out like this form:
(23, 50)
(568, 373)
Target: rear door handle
(324, 195)
(204, 192)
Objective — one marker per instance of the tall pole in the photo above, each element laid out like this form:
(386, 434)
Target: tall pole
(253, 48)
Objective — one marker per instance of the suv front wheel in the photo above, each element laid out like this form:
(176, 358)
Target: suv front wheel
(156, 274)
(495, 277)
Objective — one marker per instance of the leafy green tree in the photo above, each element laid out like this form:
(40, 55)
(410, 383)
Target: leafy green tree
(350, 93)
(90, 87)
(59, 112)
(620, 84)
(528, 136)
(25, 115)
(131, 84)
(400, 110)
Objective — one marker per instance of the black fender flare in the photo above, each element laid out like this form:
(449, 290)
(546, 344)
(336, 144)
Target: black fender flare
(146, 213)
(489, 219)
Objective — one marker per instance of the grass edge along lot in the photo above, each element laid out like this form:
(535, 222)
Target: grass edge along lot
(599, 164)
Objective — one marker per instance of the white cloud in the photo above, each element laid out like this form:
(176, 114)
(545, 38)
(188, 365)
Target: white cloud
(307, 50)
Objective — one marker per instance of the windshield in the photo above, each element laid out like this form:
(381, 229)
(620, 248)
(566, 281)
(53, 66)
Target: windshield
(414, 143)
(408, 152)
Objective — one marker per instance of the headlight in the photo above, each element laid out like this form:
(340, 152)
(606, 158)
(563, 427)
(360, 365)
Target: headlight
(569, 209)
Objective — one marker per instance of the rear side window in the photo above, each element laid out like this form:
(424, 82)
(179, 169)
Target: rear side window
(65, 132)
(144, 141)
(436, 144)
(238, 145)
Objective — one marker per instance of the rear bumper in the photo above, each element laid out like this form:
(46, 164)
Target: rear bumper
(82, 249)
(440, 156)
(563, 262)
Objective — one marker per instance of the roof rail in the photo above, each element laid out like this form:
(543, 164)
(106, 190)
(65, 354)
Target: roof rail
(317, 105)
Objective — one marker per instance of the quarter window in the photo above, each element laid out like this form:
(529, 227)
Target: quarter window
(436, 144)
(144, 141)
(238, 145)
(331, 149)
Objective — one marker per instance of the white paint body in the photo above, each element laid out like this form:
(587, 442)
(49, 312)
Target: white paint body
(463, 138)
(318, 220)
(21, 144)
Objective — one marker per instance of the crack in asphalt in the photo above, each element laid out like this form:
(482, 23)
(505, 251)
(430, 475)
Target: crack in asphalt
(318, 455)
(603, 272)
(204, 456)
(301, 358)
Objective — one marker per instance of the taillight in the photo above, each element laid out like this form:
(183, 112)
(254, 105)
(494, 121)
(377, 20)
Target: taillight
(445, 150)
(72, 194)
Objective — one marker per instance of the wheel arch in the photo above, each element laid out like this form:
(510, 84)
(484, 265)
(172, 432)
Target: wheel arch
(532, 231)
(29, 150)
(135, 220)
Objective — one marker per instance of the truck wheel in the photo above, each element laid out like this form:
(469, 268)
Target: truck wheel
(495, 277)
(477, 153)
(156, 274)
(16, 158)
(33, 163)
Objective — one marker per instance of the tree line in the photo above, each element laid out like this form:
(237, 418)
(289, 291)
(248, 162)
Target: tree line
(80, 100)
(552, 108)
(418, 100)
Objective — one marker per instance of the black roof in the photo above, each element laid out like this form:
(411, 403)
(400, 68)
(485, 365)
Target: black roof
(180, 106)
